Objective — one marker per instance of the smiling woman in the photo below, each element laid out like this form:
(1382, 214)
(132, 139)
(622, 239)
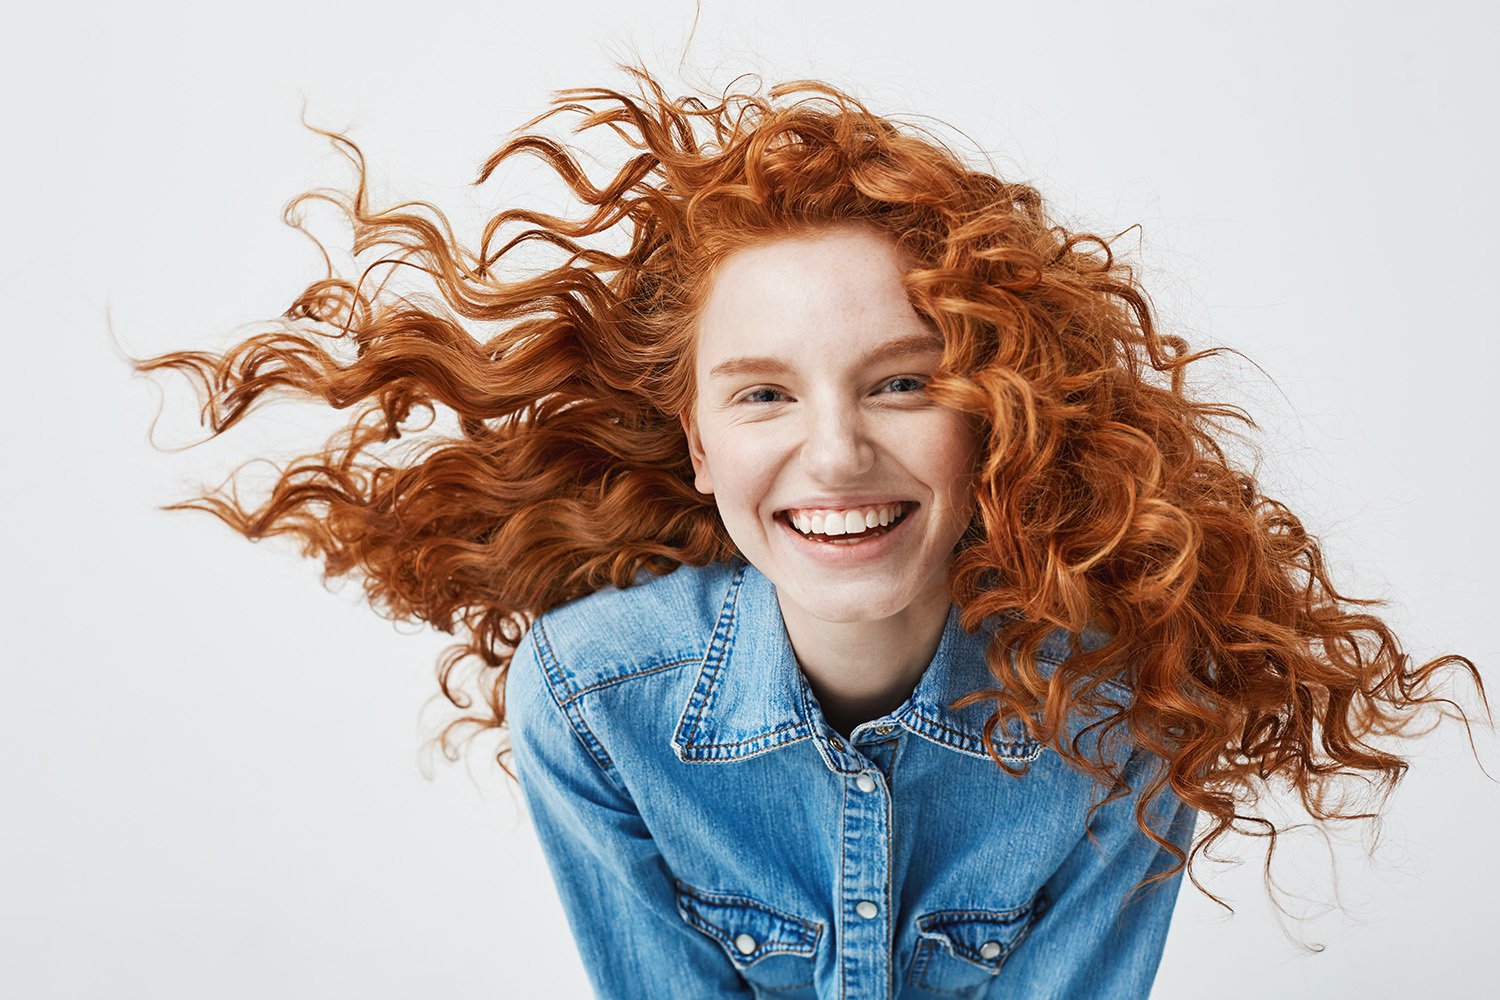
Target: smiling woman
(872, 609)
(846, 442)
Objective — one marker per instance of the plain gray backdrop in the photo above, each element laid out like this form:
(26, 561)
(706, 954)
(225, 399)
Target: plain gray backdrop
(213, 783)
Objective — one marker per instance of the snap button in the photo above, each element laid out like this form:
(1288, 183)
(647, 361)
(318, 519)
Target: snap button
(990, 949)
(866, 909)
(838, 744)
(865, 783)
(746, 944)
(882, 730)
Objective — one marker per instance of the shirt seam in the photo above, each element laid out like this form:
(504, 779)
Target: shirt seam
(720, 646)
(557, 676)
(574, 695)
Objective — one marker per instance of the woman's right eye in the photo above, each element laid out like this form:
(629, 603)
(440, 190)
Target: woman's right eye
(751, 396)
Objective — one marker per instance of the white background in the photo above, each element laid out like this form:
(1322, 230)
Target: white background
(212, 784)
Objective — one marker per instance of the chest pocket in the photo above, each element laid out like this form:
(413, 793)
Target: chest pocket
(773, 951)
(959, 952)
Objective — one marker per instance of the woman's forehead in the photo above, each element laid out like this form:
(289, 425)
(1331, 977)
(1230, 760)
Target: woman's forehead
(841, 282)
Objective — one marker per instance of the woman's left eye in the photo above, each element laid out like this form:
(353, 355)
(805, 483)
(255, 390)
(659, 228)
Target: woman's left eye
(915, 383)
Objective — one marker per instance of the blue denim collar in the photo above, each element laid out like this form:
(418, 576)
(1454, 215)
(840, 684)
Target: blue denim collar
(751, 696)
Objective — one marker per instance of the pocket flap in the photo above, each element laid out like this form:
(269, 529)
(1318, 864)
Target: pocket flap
(983, 937)
(748, 929)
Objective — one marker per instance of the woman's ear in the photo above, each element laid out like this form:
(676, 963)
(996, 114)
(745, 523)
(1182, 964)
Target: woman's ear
(702, 480)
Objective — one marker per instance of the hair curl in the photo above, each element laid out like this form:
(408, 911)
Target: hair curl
(1104, 500)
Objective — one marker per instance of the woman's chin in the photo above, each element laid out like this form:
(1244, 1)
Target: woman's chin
(845, 603)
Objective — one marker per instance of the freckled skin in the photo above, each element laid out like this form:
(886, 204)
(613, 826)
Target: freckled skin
(832, 424)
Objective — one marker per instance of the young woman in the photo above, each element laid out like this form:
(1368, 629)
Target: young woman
(871, 608)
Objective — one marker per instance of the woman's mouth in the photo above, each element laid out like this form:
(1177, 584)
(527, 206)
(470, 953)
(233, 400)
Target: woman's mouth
(846, 528)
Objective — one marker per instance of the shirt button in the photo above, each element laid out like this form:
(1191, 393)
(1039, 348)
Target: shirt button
(838, 744)
(866, 909)
(990, 949)
(882, 730)
(746, 944)
(865, 783)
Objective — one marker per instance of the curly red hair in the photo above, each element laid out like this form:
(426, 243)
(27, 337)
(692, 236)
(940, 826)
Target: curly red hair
(1105, 498)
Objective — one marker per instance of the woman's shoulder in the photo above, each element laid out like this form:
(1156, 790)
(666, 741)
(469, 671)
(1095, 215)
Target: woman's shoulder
(616, 632)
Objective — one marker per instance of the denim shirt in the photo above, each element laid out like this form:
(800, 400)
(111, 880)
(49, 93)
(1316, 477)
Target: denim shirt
(711, 835)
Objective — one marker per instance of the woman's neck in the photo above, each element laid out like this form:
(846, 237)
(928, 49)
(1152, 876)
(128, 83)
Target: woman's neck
(862, 670)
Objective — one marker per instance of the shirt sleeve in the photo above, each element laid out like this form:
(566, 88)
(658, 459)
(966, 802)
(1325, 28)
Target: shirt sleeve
(615, 887)
(1090, 940)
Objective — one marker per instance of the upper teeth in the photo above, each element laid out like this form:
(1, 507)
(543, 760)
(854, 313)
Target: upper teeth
(844, 522)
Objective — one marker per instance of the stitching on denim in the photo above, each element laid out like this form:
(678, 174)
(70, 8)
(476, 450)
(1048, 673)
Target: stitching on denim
(963, 735)
(1025, 749)
(936, 949)
(838, 911)
(993, 916)
(571, 708)
(932, 948)
(810, 926)
(930, 932)
(761, 950)
(806, 933)
(919, 961)
(958, 991)
(632, 676)
(552, 669)
(751, 739)
(719, 646)
(890, 902)
(719, 758)
(831, 759)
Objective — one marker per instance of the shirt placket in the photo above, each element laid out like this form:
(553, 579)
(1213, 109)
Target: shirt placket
(865, 889)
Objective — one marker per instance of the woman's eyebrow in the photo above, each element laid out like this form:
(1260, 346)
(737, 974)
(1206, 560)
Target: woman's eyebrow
(911, 345)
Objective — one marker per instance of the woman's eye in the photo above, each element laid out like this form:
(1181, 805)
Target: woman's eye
(912, 383)
(757, 395)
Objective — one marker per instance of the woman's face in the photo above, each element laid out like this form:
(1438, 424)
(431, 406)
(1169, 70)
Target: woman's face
(811, 409)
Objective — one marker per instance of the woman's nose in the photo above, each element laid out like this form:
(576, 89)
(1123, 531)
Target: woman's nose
(837, 448)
